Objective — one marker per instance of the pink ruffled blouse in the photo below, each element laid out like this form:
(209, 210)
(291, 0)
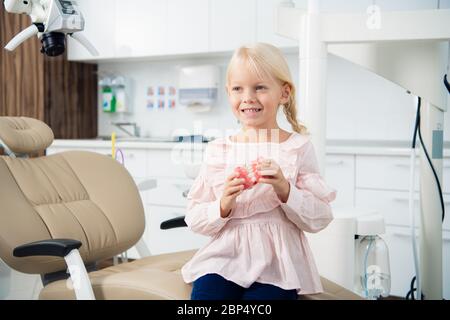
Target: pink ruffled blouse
(262, 239)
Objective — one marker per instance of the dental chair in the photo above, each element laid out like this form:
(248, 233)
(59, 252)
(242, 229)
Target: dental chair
(61, 214)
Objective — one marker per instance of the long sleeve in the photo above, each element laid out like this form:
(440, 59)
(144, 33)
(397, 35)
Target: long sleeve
(203, 209)
(308, 202)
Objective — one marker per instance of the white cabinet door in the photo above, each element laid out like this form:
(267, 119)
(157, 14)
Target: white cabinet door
(394, 205)
(141, 28)
(340, 175)
(187, 26)
(266, 24)
(233, 24)
(135, 161)
(100, 21)
(384, 172)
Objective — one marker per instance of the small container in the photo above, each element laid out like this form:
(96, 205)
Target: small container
(108, 99)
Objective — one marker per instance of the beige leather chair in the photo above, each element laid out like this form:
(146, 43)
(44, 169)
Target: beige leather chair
(91, 199)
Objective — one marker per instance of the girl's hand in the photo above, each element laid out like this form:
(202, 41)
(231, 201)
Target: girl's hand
(271, 174)
(233, 188)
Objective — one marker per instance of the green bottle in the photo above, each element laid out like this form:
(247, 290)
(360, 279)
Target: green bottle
(109, 100)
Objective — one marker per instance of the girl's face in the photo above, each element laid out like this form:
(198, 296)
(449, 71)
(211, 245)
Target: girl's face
(254, 100)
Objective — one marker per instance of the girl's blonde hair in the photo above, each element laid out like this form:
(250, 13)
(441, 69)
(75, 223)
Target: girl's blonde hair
(266, 59)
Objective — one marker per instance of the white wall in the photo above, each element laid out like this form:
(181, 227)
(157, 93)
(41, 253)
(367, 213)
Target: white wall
(164, 122)
(361, 105)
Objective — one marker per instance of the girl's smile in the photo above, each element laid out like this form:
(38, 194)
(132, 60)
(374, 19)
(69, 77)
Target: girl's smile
(251, 112)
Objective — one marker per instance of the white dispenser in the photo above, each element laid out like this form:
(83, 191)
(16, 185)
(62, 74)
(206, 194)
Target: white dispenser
(121, 87)
(198, 87)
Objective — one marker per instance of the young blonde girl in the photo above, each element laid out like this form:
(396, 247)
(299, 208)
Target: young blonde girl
(257, 248)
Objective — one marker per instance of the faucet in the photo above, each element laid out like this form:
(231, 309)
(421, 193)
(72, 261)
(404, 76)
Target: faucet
(136, 130)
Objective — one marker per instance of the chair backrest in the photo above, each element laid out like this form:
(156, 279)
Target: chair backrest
(76, 194)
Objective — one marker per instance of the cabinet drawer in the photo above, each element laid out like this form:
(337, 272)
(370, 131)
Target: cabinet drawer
(168, 192)
(399, 244)
(172, 163)
(171, 240)
(384, 172)
(340, 175)
(394, 205)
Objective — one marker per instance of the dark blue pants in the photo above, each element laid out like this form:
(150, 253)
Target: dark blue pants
(214, 287)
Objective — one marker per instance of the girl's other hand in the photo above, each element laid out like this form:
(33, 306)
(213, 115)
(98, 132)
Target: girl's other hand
(233, 188)
(271, 174)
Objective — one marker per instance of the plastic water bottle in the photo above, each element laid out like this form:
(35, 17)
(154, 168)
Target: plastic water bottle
(373, 267)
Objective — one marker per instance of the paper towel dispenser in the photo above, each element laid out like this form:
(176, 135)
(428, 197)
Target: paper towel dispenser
(198, 87)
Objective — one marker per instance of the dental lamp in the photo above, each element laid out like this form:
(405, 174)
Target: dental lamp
(51, 21)
(409, 48)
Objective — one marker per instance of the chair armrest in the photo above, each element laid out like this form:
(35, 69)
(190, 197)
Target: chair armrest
(67, 249)
(51, 247)
(173, 223)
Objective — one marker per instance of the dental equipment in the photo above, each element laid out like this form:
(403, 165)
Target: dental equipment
(403, 47)
(51, 21)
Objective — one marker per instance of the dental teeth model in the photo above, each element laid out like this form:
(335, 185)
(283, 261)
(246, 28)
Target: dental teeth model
(249, 173)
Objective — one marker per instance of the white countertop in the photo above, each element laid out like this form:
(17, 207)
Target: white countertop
(333, 147)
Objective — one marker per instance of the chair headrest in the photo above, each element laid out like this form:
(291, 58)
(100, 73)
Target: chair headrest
(24, 135)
